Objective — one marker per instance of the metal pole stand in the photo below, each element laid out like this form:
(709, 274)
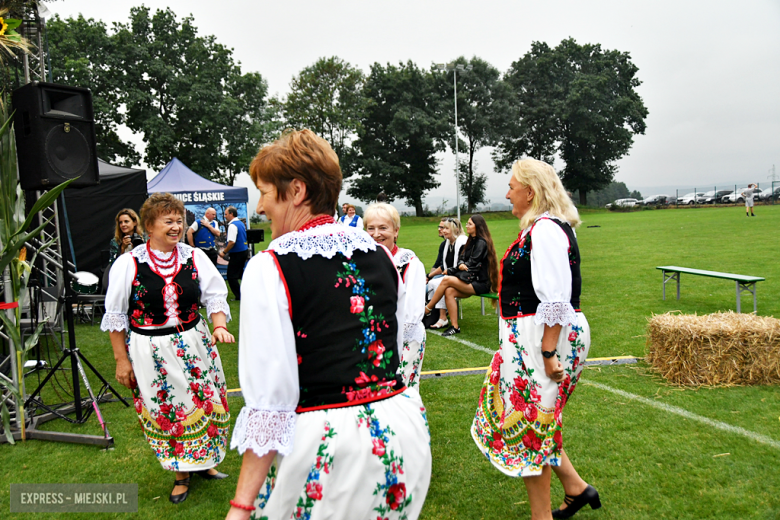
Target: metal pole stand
(746, 287)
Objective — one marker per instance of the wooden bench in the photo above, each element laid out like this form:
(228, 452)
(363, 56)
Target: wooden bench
(489, 296)
(744, 283)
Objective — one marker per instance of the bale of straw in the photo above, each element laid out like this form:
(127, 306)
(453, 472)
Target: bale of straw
(721, 349)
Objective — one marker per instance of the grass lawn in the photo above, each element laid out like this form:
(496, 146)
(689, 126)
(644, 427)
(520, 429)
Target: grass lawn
(647, 461)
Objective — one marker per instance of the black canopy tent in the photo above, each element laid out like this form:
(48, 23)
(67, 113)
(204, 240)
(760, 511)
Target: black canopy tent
(90, 212)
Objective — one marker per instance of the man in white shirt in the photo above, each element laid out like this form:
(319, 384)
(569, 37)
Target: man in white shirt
(202, 232)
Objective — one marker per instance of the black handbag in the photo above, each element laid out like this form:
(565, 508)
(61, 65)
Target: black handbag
(467, 276)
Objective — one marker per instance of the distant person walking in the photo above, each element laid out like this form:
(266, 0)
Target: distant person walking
(748, 193)
(238, 247)
(202, 232)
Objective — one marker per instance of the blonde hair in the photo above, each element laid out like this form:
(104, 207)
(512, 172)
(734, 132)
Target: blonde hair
(382, 210)
(549, 194)
(453, 225)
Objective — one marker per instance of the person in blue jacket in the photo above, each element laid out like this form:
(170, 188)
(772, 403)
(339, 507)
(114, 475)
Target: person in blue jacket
(202, 233)
(238, 248)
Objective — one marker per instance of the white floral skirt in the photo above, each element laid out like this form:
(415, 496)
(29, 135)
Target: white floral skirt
(358, 462)
(411, 362)
(519, 423)
(181, 397)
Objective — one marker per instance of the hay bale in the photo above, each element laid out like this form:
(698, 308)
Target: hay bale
(720, 349)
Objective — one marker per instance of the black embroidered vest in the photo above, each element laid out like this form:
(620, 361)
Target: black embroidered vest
(516, 295)
(343, 315)
(147, 304)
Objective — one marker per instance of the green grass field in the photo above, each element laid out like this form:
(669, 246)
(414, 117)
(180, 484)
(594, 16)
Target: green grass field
(717, 460)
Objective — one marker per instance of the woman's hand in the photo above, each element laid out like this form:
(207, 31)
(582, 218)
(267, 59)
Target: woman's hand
(554, 369)
(125, 374)
(126, 242)
(463, 267)
(223, 336)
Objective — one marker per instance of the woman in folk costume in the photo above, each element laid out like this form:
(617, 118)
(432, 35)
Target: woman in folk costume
(351, 218)
(328, 429)
(383, 223)
(544, 340)
(164, 351)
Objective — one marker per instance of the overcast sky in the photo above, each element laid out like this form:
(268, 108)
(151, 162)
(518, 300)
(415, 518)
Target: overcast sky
(710, 70)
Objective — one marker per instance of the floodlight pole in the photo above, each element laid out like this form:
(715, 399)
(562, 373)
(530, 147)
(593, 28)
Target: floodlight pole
(455, 68)
(457, 169)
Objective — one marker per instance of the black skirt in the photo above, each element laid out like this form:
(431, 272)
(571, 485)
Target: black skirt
(481, 287)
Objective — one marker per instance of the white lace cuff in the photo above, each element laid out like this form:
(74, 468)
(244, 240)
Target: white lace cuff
(555, 313)
(263, 431)
(217, 304)
(114, 322)
(414, 332)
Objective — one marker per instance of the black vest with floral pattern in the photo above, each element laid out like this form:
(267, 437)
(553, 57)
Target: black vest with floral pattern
(343, 315)
(147, 303)
(516, 295)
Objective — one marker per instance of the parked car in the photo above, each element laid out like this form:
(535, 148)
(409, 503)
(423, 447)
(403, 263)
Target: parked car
(623, 203)
(767, 195)
(655, 200)
(729, 199)
(715, 197)
(691, 198)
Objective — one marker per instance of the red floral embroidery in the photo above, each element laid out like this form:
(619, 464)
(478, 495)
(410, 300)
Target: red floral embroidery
(177, 430)
(314, 490)
(396, 495)
(379, 447)
(357, 303)
(211, 431)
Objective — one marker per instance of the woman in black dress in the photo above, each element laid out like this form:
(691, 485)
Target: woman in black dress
(476, 272)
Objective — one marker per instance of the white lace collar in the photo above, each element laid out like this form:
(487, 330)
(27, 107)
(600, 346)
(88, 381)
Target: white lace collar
(403, 256)
(142, 255)
(325, 240)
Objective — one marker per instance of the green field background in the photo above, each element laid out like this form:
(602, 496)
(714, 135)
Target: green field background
(646, 462)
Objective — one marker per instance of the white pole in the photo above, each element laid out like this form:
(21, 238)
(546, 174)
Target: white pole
(457, 170)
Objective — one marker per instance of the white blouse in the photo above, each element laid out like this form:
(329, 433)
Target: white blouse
(415, 281)
(267, 355)
(213, 291)
(551, 273)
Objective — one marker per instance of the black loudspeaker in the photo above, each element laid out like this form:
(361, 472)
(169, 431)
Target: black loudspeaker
(55, 136)
(255, 236)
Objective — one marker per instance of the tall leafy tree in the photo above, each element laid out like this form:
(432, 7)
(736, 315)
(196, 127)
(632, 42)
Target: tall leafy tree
(186, 95)
(578, 101)
(327, 99)
(82, 54)
(402, 128)
(482, 104)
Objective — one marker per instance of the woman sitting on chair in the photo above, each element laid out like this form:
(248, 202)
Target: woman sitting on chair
(454, 240)
(476, 272)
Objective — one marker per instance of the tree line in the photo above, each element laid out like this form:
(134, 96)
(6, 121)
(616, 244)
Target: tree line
(188, 97)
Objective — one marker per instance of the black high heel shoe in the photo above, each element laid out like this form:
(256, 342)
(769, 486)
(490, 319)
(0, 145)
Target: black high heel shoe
(208, 476)
(178, 499)
(574, 504)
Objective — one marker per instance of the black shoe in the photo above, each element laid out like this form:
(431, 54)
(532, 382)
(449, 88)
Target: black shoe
(451, 331)
(178, 499)
(208, 476)
(574, 504)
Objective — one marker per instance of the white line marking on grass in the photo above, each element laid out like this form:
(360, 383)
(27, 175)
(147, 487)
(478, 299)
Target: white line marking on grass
(467, 343)
(763, 439)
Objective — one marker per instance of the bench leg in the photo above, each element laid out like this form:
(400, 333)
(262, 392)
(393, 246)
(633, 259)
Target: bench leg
(749, 287)
(482, 303)
(669, 277)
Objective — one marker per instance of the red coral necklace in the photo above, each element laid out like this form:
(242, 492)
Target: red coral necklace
(317, 221)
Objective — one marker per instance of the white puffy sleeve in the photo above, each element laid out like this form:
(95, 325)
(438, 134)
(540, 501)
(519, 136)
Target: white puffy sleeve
(213, 291)
(551, 274)
(414, 307)
(267, 363)
(120, 281)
